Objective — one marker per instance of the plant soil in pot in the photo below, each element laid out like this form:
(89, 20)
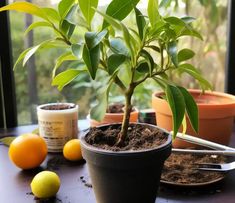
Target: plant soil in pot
(114, 114)
(216, 116)
(58, 123)
(130, 173)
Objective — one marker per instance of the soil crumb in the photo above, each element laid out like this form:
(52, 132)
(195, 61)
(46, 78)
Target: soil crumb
(181, 168)
(138, 137)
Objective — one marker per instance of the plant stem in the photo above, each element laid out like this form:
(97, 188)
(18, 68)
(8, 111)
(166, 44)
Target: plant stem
(127, 112)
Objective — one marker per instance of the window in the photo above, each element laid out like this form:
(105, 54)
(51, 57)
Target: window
(33, 82)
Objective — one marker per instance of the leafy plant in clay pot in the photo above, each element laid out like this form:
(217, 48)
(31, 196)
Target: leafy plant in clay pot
(124, 160)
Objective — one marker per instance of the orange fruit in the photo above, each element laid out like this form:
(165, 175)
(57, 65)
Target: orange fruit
(72, 150)
(28, 151)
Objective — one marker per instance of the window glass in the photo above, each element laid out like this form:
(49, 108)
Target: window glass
(33, 82)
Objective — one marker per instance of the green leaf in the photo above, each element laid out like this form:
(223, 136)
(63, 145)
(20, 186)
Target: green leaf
(38, 24)
(153, 12)
(192, 33)
(52, 14)
(114, 61)
(97, 112)
(119, 9)
(172, 50)
(165, 3)
(77, 50)
(155, 48)
(25, 7)
(143, 67)
(94, 38)
(65, 78)
(185, 54)
(91, 59)
(191, 70)
(7, 140)
(30, 53)
(87, 8)
(175, 21)
(191, 108)
(68, 56)
(188, 19)
(67, 28)
(21, 56)
(140, 21)
(64, 6)
(177, 104)
(149, 59)
(117, 46)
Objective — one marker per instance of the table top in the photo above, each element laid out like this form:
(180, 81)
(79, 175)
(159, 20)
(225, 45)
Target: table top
(75, 182)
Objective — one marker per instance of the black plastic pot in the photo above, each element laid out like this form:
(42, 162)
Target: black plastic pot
(126, 176)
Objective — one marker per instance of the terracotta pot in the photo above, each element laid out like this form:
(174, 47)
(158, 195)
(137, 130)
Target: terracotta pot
(113, 118)
(125, 176)
(216, 116)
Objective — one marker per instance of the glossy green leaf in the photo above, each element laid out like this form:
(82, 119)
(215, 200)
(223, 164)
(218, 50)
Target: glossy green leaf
(118, 46)
(77, 50)
(25, 7)
(21, 56)
(119, 9)
(155, 48)
(188, 19)
(164, 3)
(192, 33)
(94, 38)
(7, 140)
(175, 21)
(52, 14)
(64, 6)
(68, 56)
(36, 25)
(149, 59)
(87, 8)
(172, 51)
(176, 102)
(140, 21)
(185, 54)
(114, 61)
(65, 78)
(91, 59)
(67, 28)
(188, 68)
(30, 53)
(153, 12)
(191, 108)
(143, 67)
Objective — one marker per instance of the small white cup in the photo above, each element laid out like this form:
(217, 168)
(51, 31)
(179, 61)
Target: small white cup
(57, 126)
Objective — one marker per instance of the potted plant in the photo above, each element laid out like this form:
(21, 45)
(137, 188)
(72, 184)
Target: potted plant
(128, 57)
(114, 114)
(216, 116)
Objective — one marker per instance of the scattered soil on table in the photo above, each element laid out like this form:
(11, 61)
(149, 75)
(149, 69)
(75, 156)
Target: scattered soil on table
(181, 169)
(45, 200)
(89, 185)
(139, 137)
(58, 107)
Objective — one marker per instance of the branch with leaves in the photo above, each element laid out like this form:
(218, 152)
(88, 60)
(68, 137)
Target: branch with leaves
(147, 51)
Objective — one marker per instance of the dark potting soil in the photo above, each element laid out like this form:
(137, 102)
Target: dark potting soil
(181, 169)
(139, 137)
(58, 107)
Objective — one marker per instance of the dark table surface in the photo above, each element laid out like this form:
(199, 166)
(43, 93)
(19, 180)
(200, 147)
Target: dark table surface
(15, 183)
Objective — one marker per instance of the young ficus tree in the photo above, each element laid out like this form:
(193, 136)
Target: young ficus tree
(148, 50)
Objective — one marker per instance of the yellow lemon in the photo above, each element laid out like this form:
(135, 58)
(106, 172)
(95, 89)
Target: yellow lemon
(45, 184)
(72, 150)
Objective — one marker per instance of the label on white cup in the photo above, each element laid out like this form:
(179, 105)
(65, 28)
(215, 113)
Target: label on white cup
(57, 126)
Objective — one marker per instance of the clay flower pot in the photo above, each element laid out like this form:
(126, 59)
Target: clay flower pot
(125, 176)
(114, 118)
(216, 116)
